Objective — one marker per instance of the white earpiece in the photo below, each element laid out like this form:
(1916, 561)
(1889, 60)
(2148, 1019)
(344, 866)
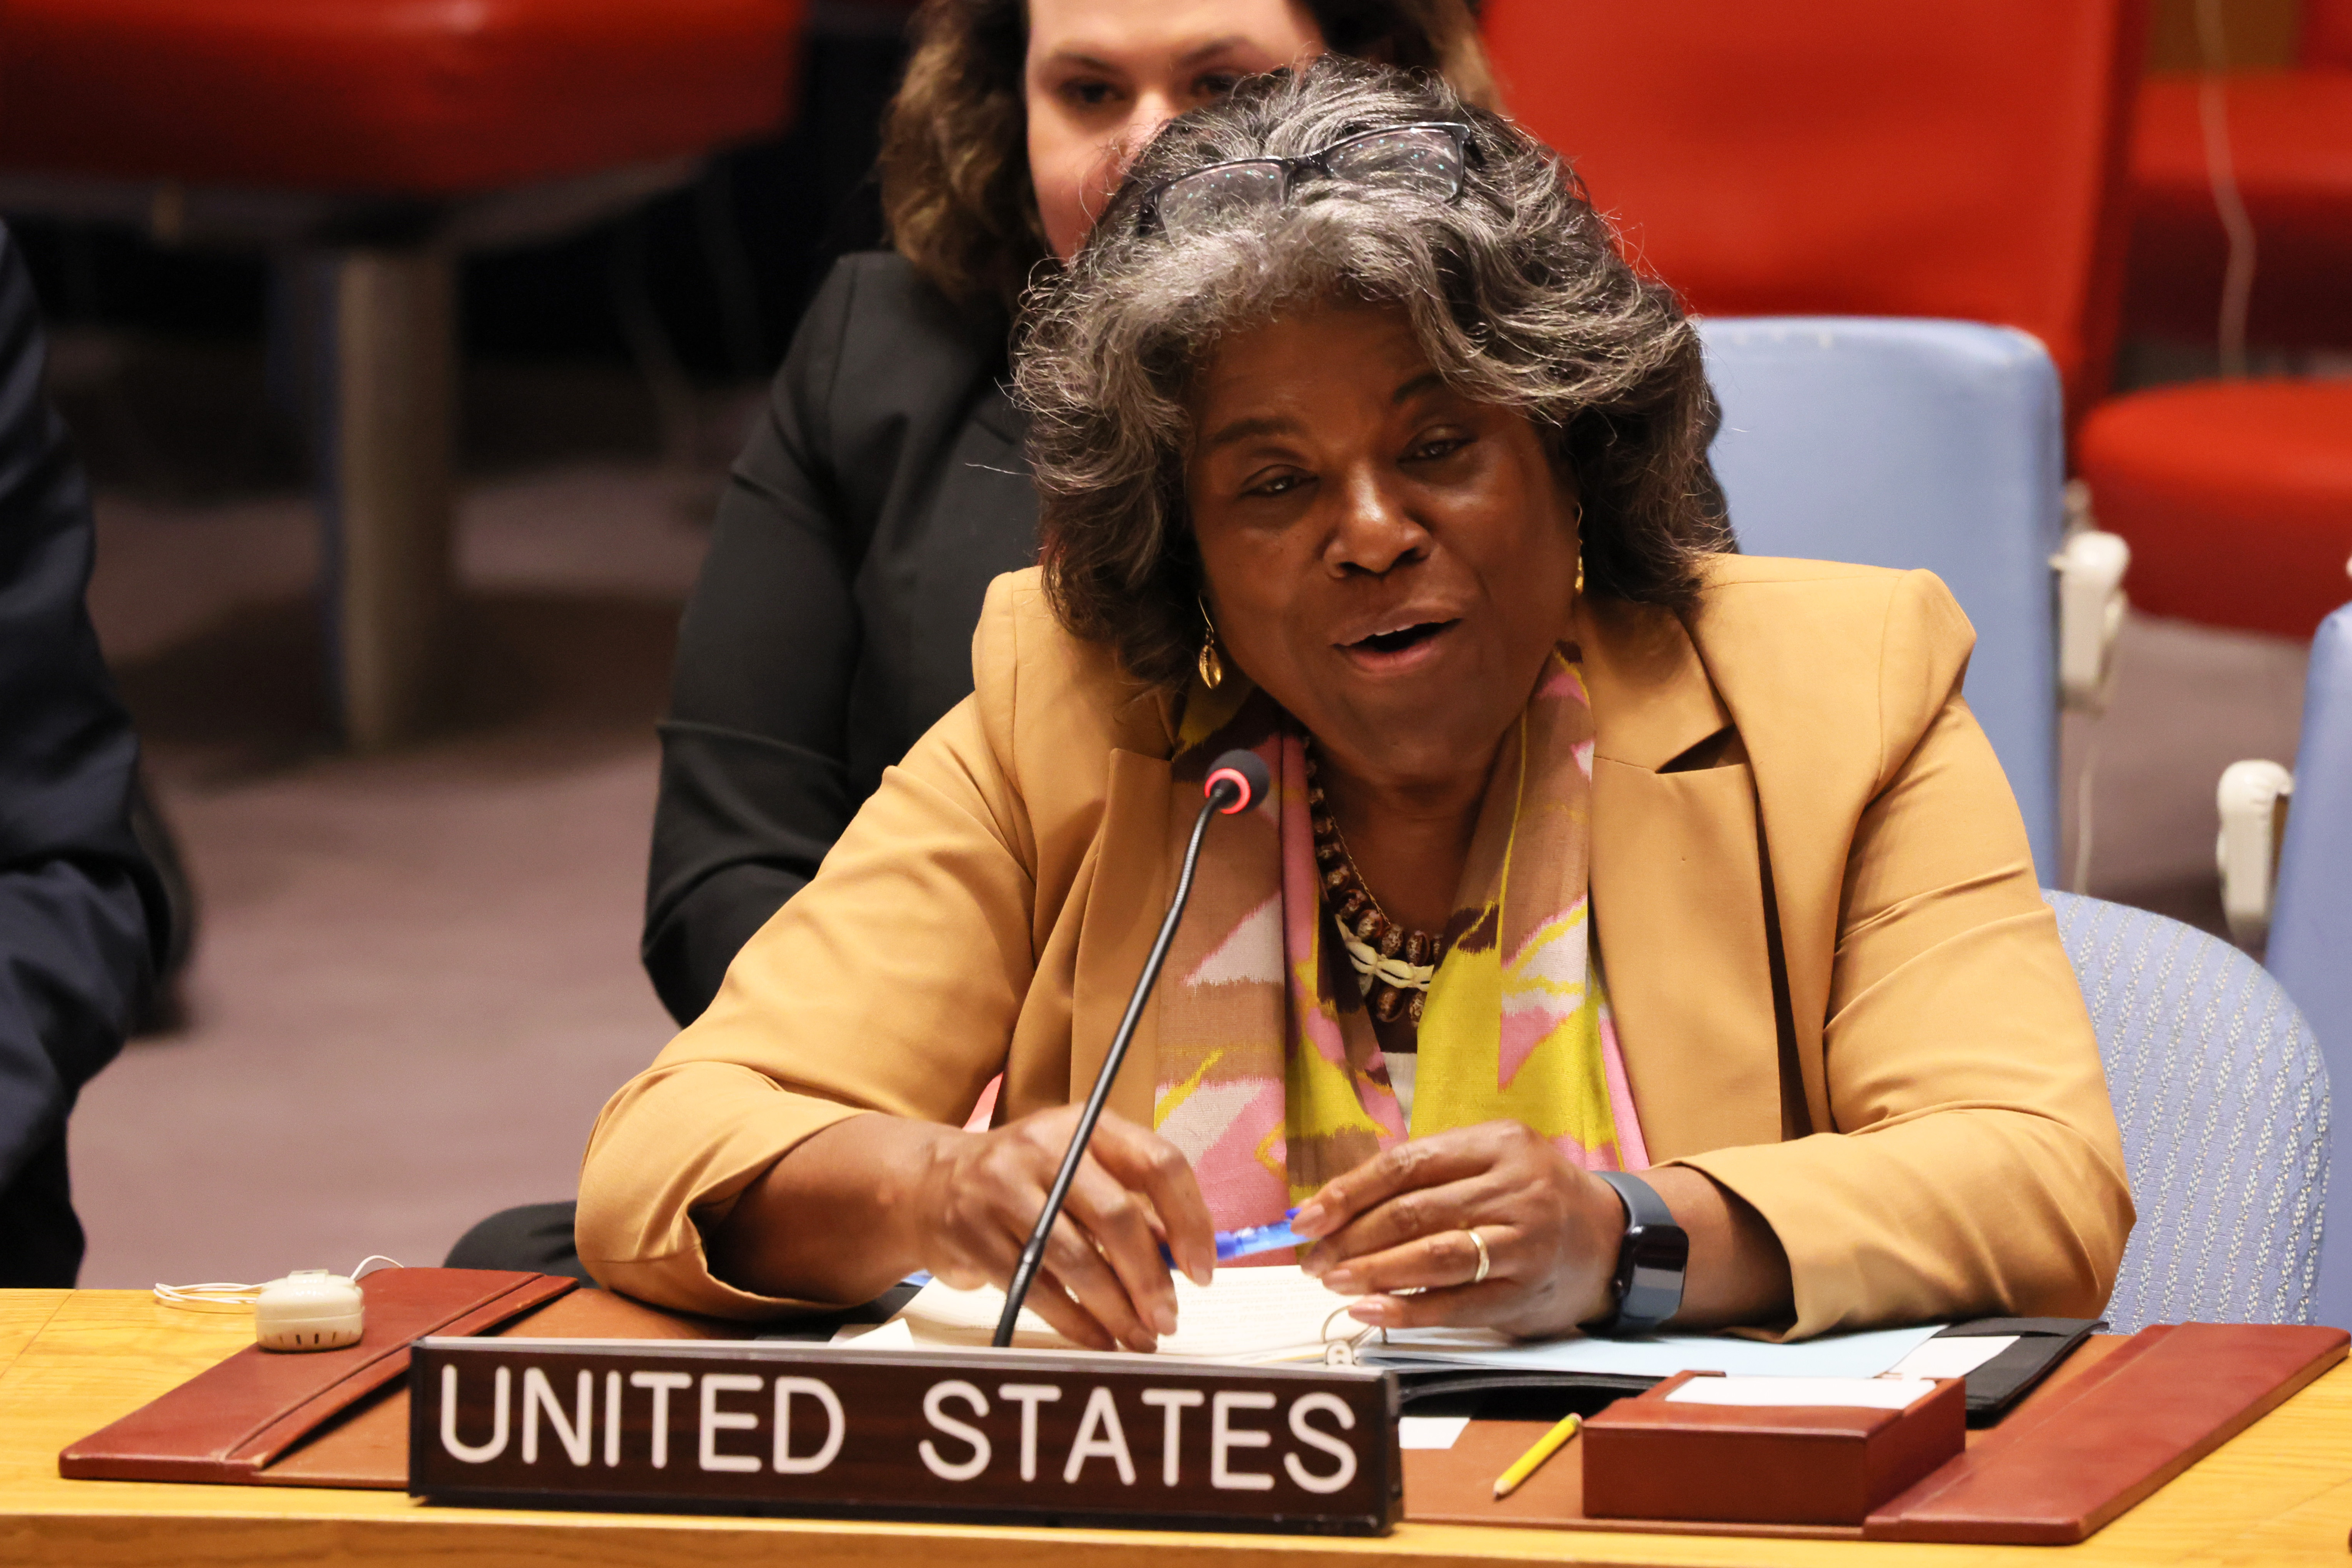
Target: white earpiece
(309, 1310)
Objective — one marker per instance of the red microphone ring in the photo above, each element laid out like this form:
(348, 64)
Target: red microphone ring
(1208, 785)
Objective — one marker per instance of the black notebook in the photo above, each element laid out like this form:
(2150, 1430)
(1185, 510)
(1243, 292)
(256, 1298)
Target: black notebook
(2041, 1344)
(1520, 1393)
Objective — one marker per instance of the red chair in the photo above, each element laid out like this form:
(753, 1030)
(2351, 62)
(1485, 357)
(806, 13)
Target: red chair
(368, 143)
(1850, 157)
(2237, 495)
(2290, 139)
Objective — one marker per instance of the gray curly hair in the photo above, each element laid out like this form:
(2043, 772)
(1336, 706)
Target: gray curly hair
(1516, 291)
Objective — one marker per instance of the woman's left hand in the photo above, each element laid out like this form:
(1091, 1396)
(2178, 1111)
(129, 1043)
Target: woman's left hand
(1400, 1221)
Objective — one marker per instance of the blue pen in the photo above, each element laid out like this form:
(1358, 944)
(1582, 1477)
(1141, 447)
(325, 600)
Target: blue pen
(1233, 1244)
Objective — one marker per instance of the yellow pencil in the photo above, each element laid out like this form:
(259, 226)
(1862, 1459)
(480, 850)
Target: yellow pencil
(1527, 1464)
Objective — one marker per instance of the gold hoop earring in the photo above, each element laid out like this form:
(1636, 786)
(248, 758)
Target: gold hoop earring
(1579, 526)
(1211, 667)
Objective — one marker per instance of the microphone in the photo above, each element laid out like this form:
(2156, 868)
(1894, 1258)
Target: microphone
(1236, 781)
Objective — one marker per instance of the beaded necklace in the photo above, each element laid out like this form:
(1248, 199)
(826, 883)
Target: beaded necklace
(1393, 964)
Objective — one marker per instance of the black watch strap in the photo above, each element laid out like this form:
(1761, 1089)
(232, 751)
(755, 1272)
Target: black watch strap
(1651, 1259)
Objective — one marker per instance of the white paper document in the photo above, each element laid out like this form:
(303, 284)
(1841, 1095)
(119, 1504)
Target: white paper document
(1842, 1392)
(1429, 1431)
(1661, 1355)
(1266, 1314)
(1952, 1358)
(1277, 1313)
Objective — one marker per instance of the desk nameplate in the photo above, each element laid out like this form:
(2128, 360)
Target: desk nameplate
(1014, 1436)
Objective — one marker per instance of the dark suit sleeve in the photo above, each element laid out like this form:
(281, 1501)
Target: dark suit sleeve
(81, 914)
(754, 779)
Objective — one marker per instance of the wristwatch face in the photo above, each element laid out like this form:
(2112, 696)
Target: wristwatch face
(1651, 1266)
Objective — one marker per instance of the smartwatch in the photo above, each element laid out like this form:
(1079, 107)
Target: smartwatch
(1650, 1260)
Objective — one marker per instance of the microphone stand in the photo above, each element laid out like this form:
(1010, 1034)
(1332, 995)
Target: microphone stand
(1235, 780)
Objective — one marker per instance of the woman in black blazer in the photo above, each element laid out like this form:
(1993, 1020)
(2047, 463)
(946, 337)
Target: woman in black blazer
(885, 487)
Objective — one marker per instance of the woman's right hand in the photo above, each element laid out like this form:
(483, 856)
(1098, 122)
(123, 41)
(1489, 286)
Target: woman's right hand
(974, 1198)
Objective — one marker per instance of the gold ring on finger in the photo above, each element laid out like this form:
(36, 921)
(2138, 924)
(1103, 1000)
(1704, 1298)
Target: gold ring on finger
(1485, 1261)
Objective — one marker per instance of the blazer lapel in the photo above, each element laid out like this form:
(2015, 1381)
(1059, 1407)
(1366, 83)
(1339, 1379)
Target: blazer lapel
(1124, 907)
(1677, 893)
(1816, 760)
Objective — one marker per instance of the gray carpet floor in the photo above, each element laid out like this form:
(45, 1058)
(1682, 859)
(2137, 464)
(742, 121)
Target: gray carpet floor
(417, 975)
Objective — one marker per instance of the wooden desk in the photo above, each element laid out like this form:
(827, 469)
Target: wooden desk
(71, 1362)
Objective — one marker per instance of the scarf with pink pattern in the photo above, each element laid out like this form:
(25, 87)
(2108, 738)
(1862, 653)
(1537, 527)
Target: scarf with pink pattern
(1270, 1077)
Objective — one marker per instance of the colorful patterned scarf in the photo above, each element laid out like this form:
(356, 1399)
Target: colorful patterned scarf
(1271, 1079)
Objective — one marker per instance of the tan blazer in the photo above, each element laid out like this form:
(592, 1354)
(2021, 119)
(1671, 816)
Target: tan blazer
(1838, 990)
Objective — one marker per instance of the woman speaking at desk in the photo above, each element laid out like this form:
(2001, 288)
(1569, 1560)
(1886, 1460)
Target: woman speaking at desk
(1592, 847)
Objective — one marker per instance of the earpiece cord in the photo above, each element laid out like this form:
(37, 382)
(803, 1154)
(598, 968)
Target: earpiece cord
(227, 1296)
(2221, 178)
(217, 1293)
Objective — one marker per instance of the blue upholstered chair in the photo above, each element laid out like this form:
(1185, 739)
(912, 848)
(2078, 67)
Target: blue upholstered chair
(2222, 1098)
(2311, 923)
(1915, 443)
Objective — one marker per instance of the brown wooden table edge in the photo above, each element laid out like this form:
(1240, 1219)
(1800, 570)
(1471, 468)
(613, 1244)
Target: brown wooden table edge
(482, 1538)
